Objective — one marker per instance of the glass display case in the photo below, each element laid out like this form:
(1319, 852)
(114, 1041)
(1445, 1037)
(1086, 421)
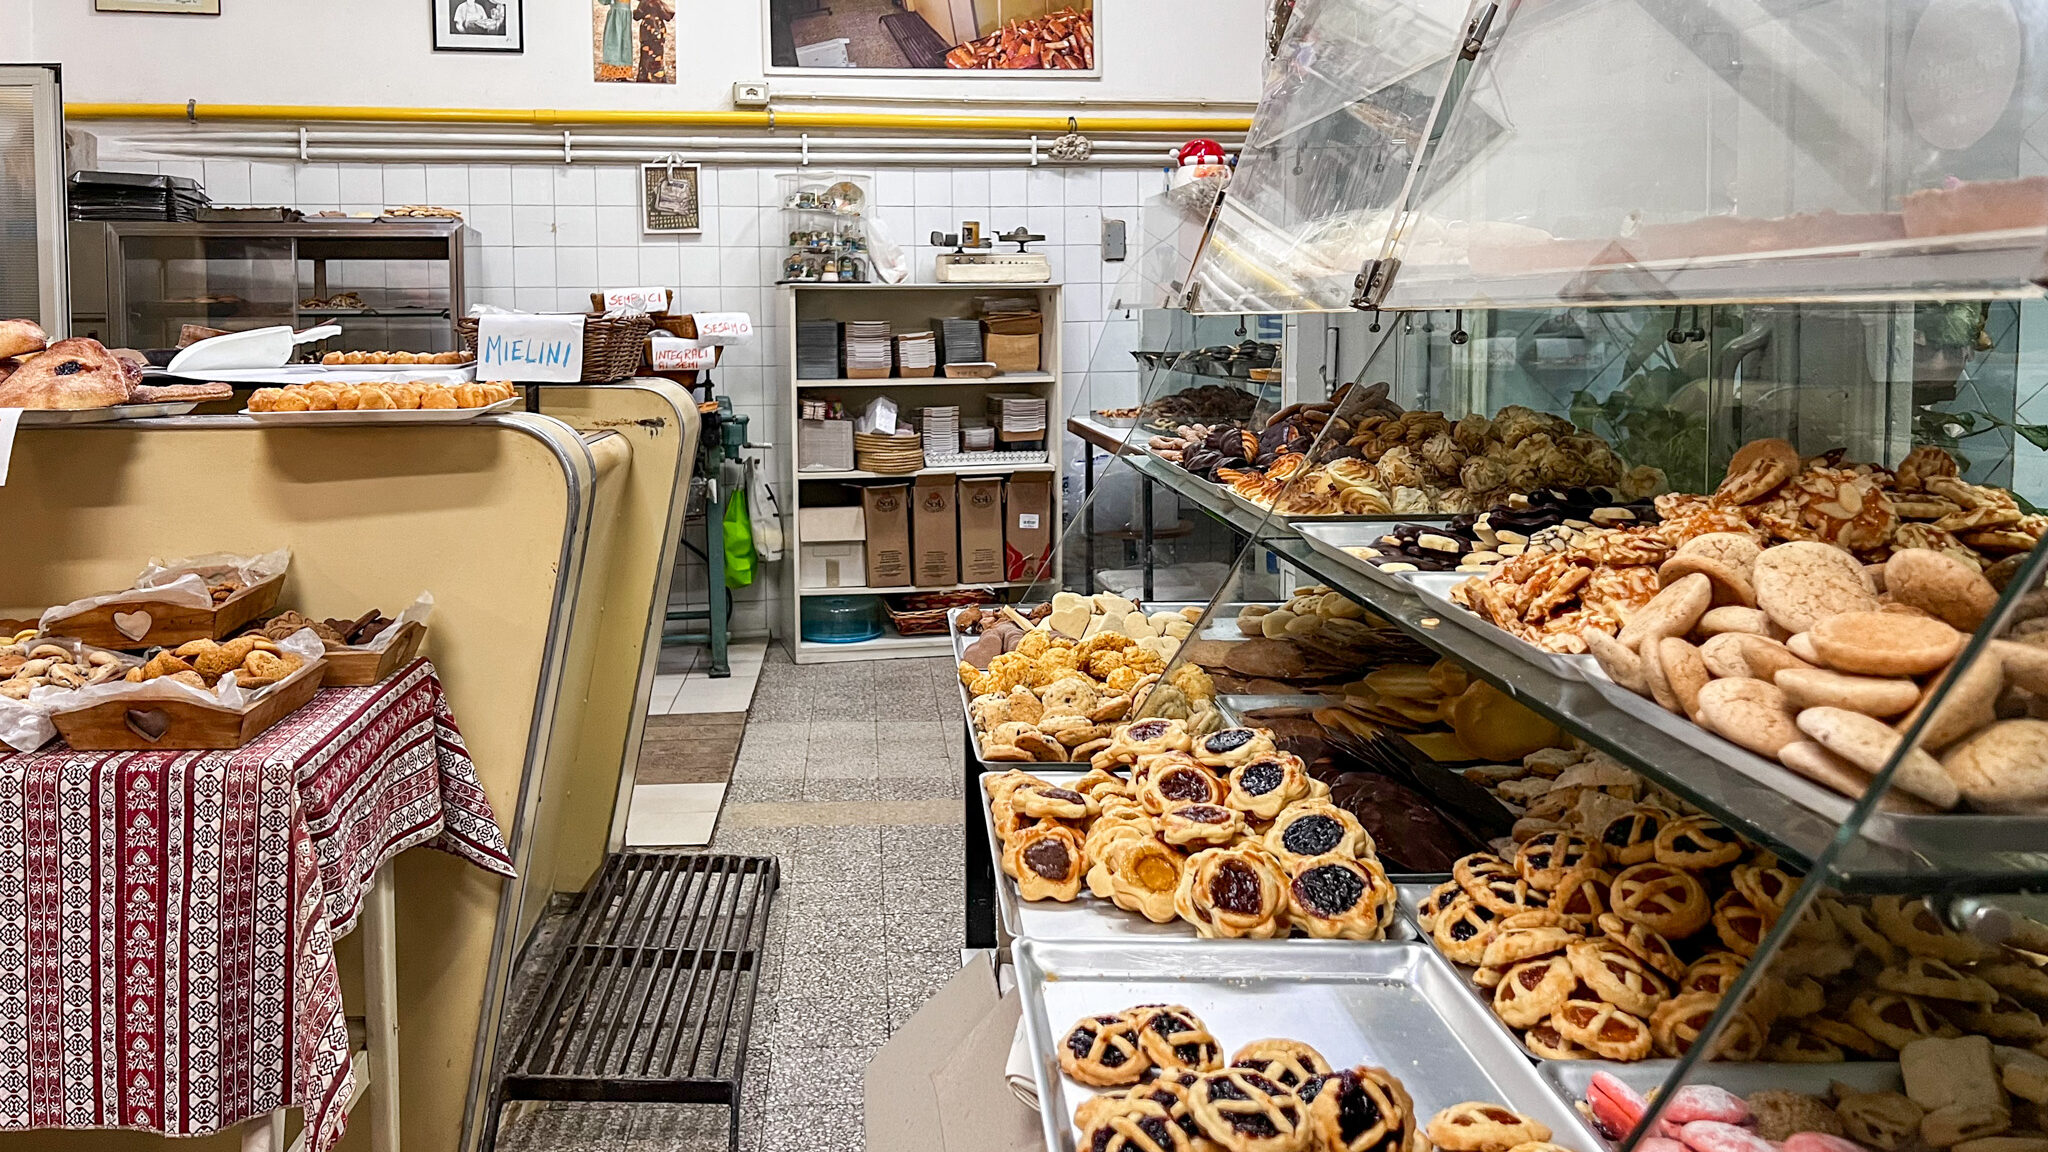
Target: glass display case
(391, 285)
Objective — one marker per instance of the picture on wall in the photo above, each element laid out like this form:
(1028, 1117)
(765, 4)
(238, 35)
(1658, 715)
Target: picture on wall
(633, 41)
(934, 37)
(182, 7)
(479, 25)
(668, 197)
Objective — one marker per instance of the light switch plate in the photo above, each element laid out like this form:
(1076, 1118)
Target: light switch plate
(750, 94)
(1112, 239)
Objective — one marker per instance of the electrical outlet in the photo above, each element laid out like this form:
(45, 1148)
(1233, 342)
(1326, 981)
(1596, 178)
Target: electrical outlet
(1112, 239)
(750, 94)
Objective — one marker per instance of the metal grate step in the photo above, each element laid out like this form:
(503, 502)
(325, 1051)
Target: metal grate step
(653, 995)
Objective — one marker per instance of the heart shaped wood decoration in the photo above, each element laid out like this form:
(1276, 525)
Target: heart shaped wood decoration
(150, 725)
(133, 625)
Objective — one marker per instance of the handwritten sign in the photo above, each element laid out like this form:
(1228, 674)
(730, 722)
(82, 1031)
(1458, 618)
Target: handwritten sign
(637, 299)
(724, 327)
(529, 348)
(675, 354)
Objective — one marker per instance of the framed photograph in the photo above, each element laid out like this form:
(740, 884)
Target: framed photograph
(1013, 39)
(179, 7)
(479, 25)
(668, 198)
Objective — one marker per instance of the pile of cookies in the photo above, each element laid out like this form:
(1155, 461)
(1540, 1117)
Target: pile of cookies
(28, 663)
(254, 661)
(1220, 830)
(333, 632)
(397, 395)
(1052, 687)
(1568, 581)
(1172, 1092)
(1960, 1092)
(1802, 654)
(1475, 542)
(1610, 948)
(343, 359)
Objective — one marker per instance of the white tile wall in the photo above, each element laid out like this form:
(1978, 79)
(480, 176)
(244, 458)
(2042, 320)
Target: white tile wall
(543, 236)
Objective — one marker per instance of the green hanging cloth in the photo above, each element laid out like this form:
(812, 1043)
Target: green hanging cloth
(739, 542)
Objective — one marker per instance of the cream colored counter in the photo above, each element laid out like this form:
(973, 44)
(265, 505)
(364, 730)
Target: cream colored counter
(547, 545)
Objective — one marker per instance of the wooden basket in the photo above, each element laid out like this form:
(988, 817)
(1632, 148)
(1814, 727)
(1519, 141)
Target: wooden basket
(140, 622)
(182, 725)
(360, 667)
(924, 613)
(612, 346)
(660, 318)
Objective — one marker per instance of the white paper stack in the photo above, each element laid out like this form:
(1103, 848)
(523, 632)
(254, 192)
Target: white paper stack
(817, 349)
(917, 353)
(941, 426)
(1019, 415)
(977, 437)
(868, 350)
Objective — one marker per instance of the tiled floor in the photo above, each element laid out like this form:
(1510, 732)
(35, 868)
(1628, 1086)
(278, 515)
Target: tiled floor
(683, 680)
(850, 774)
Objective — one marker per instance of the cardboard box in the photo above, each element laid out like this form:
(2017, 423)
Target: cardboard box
(833, 565)
(935, 531)
(1028, 525)
(886, 510)
(824, 445)
(938, 1085)
(820, 525)
(981, 530)
(1011, 353)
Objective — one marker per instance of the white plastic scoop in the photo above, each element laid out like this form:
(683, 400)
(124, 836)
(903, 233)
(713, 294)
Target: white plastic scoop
(256, 348)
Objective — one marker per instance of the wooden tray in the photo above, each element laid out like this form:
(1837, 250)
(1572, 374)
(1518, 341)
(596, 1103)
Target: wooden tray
(169, 625)
(359, 667)
(182, 725)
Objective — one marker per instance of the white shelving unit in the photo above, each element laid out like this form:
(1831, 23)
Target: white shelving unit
(907, 307)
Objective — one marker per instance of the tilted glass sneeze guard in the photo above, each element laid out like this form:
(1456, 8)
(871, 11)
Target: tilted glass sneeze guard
(1616, 151)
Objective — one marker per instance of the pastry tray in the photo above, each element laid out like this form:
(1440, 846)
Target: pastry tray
(381, 416)
(330, 374)
(1435, 590)
(46, 418)
(1331, 540)
(1296, 519)
(1569, 1078)
(1388, 1005)
(1089, 917)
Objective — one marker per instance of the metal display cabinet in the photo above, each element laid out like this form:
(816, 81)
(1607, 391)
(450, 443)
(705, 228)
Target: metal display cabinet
(141, 281)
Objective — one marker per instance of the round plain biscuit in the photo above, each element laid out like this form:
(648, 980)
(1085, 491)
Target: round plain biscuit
(1766, 657)
(1802, 583)
(1821, 766)
(2003, 768)
(1941, 584)
(1671, 612)
(1623, 666)
(1652, 656)
(1801, 645)
(1870, 695)
(1748, 712)
(2025, 664)
(1733, 618)
(1723, 656)
(1731, 587)
(1737, 550)
(1869, 744)
(1884, 643)
(1967, 704)
(1684, 672)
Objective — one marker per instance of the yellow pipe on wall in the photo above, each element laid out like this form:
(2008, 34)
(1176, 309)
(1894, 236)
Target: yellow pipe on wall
(896, 121)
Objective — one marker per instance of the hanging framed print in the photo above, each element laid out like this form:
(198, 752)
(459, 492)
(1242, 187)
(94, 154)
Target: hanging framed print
(479, 25)
(668, 197)
(633, 41)
(1008, 38)
(176, 7)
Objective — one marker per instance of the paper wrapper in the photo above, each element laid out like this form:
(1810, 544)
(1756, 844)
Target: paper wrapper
(304, 644)
(180, 582)
(25, 724)
(416, 613)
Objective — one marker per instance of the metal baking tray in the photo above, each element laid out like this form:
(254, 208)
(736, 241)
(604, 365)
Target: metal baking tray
(960, 643)
(1813, 797)
(47, 417)
(1089, 917)
(1331, 540)
(1411, 898)
(1388, 1005)
(1297, 520)
(1234, 707)
(1435, 590)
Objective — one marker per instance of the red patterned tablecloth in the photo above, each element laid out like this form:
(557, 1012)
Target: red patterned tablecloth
(167, 919)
